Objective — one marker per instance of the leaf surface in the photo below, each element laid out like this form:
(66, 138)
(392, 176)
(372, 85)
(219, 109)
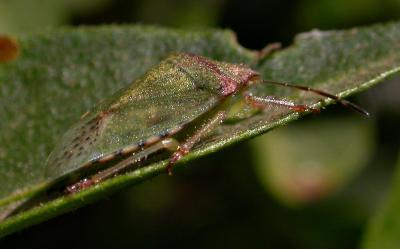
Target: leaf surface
(62, 73)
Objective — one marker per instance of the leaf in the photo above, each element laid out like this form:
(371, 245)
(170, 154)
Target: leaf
(62, 73)
(384, 228)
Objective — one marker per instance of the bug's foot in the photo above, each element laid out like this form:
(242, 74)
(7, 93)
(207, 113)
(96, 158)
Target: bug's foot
(169, 169)
(174, 158)
(315, 110)
(82, 184)
(304, 108)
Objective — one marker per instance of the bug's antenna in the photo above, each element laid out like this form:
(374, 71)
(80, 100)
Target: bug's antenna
(343, 102)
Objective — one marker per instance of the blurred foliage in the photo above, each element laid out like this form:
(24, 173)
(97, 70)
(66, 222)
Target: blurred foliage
(339, 13)
(179, 13)
(21, 16)
(384, 229)
(229, 209)
(307, 161)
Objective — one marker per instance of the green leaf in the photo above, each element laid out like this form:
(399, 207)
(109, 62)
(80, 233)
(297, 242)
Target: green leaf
(62, 73)
(384, 229)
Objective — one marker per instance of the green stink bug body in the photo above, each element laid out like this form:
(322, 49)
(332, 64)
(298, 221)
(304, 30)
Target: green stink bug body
(140, 119)
(158, 105)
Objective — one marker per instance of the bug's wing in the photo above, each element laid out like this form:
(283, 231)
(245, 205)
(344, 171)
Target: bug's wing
(164, 99)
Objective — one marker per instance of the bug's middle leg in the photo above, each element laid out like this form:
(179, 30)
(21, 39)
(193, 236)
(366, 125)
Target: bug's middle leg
(187, 145)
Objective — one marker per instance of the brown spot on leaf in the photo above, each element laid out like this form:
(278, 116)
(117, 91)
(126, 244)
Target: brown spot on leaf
(9, 49)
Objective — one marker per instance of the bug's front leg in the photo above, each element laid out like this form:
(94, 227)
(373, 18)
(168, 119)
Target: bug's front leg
(301, 108)
(187, 145)
(263, 102)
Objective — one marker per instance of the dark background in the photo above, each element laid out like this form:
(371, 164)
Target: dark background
(227, 200)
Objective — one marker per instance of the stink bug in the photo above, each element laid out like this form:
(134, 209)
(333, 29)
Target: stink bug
(183, 97)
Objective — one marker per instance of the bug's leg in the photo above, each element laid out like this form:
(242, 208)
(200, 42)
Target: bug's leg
(187, 145)
(262, 102)
(343, 102)
(168, 143)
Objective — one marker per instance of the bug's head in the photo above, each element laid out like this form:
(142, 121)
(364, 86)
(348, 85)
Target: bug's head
(244, 74)
(234, 77)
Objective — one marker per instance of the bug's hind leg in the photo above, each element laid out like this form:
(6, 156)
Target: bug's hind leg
(187, 145)
(168, 144)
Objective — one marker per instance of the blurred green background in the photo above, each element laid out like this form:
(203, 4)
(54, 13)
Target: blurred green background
(313, 184)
